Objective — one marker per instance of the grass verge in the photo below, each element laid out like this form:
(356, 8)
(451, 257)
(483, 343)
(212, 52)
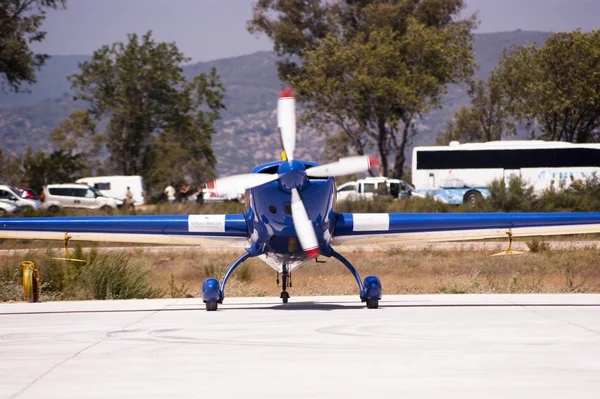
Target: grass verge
(174, 273)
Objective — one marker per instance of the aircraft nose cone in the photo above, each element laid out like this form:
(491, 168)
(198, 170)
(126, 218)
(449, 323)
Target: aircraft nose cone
(292, 175)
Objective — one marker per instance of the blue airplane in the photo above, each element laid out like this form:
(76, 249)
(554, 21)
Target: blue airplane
(290, 218)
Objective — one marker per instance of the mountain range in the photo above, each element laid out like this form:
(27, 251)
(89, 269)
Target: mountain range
(247, 134)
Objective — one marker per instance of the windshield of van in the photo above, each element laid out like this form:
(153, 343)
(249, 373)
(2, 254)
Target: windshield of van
(97, 192)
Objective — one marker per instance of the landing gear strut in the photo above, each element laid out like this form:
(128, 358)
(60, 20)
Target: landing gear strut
(370, 291)
(212, 293)
(285, 275)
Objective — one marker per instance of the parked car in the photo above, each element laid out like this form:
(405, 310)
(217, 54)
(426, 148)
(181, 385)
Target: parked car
(72, 195)
(15, 196)
(29, 193)
(7, 207)
(371, 186)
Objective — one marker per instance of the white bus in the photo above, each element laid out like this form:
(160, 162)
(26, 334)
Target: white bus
(460, 173)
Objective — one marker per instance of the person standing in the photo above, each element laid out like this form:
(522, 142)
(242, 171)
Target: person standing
(199, 194)
(170, 193)
(129, 199)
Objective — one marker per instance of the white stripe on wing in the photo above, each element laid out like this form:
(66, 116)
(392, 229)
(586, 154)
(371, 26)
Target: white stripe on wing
(371, 221)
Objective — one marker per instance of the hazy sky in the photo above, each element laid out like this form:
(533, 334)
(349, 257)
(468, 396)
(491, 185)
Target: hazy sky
(210, 29)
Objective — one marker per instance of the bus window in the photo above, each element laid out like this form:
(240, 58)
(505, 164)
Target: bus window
(509, 158)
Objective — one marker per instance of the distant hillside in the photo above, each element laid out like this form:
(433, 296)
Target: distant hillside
(51, 82)
(247, 135)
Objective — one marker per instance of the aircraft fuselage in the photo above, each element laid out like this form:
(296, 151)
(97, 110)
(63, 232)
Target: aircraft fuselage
(269, 217)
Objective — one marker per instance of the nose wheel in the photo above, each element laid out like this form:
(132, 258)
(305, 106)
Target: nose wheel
(286, 278)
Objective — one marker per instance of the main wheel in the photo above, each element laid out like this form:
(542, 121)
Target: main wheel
(372, 303)
(285, 296)
(211, 305)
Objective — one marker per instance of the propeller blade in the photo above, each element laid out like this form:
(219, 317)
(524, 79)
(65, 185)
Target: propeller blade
(286, 121)
(304, 227)
(236, 183)
(345, 166)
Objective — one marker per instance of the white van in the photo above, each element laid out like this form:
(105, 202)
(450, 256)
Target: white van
(71, 195)
(367, 188)
(116, 186)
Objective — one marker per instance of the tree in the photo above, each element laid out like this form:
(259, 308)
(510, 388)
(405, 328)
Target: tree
(141, 87)
(59, 166)
(336, 146)
(10, 169)
(190, 138)
(370, 67)
(555, 89)
(77, 134)
(20, 23)
(488, 118)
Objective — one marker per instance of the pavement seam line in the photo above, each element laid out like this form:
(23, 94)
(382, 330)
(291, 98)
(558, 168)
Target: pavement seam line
(550, 317)
(106, 338)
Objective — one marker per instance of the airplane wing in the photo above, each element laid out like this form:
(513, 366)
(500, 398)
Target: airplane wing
(378, 228)
(160, 229)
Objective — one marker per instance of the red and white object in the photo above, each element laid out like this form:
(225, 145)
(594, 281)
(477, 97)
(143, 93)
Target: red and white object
(345, 166)
(286, 121)
(304, 227)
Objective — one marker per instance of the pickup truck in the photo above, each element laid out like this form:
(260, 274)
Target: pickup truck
(371, 186)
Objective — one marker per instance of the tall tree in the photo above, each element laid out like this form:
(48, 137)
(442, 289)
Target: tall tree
(183, 151)
(20, 25)
(77, 134)
(555, 89)
(369, 66)
(488, 118)
(141, 87)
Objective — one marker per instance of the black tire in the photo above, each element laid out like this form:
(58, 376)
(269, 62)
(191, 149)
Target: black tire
(211, 305)
(372, 303)
(285, 296)
(472, 198)
(53, 209)
(2, 213)
(106, 208)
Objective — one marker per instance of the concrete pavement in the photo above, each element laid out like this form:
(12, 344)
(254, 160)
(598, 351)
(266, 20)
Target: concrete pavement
(422, 346)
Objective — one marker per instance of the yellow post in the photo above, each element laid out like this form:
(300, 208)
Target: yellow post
(31, 278)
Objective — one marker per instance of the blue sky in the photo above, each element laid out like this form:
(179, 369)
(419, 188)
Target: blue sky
(211, 29)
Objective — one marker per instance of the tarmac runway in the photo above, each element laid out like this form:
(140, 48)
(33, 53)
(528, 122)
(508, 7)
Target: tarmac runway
(421, 346)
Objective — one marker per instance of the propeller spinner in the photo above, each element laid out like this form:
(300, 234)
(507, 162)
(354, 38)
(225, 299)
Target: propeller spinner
(292, 175)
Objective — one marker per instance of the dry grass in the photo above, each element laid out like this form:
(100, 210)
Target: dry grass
(401, 272)
(180, 274)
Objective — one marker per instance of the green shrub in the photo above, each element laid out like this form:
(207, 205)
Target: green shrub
(517, 197)
(113, 276)
(175, 291)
